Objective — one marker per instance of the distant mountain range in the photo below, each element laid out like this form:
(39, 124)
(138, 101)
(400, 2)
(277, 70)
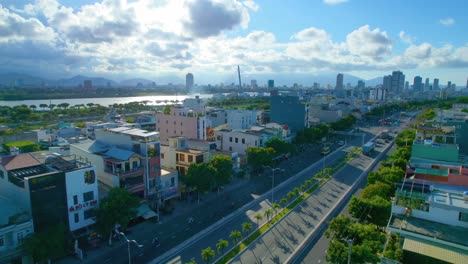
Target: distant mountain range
(24, 80)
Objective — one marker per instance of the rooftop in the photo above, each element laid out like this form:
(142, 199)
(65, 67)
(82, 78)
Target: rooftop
(430, 171)
(119, 154)
(432, 230)
(134, 132)
(19, 161)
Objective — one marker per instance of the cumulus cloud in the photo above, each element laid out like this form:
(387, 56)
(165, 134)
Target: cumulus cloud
(312, 34)
(406, 38)
(334, 2)
(251, 5)
(447, 21)
(369, 43)
(422, 51)
(209, 18)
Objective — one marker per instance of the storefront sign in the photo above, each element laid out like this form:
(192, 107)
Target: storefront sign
(83, 205)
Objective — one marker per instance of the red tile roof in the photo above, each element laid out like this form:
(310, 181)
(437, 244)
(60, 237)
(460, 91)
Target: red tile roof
(19, 161)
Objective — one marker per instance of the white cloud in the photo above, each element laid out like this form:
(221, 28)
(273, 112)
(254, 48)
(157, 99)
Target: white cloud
(406, 38)
(251, 4)
(447, 21)
(334, 2)
(374, 44)
(422, 51)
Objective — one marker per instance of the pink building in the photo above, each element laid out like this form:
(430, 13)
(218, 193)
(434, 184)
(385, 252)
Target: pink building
(181, 122)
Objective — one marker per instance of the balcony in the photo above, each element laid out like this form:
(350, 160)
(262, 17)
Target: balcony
(127, 173)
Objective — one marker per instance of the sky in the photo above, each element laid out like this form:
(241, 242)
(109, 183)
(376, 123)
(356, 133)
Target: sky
(156, 39)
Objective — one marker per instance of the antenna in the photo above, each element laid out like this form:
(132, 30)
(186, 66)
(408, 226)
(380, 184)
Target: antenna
(238, 73)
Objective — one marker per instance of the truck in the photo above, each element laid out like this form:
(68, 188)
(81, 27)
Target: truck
(368, 148)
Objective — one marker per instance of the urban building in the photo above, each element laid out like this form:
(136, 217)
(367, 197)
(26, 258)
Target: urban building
(253, 84)
(271, 84)
(417, 84)
(435, 85)
(361, 85)
(53, 189)
(427, 86)
(339, 88)
(216, 117)
(398, 82)
(196, 104)
(242, 119)
(181, 122)
(189, 81)
(387, 83)
(323, 113)
(378, 94)
(289, 110)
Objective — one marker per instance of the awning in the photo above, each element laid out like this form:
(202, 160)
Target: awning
(146, 212)
(435, 251)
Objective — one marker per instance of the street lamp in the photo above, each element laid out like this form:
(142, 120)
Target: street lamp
(273, 180)
(128, 244)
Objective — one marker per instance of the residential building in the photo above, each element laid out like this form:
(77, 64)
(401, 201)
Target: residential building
(378, 94)
(417, 84)
(435, 85)
(242, 119)
(15, 224)
(196, 104)
(145, 122)
(271, 84)
(361, 85)
(432, 220)
(289, 110)
(398, 82)
(387, 83)
(125, 157)
(339, 88)
(53, 189)
(182, 122)
(323, 113)
(216, 117)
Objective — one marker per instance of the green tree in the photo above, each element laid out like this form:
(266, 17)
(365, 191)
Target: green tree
(167, 110)
(268, 213)
(208, 254)
(192, 261)
(258, 157)
(296, 191)
(221, 245)
(284, 201)
(118, 208)
(276, 207)
(280, 146)
(381, 189)
(223, 166)
(236, 236)
(46, 245)
(43, 106)
(374, 210)
(247, 227)
(303, 188)
(200, 176)
(291, 195)
(259, 218)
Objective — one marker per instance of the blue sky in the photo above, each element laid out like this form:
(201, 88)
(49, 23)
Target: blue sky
(163, 39)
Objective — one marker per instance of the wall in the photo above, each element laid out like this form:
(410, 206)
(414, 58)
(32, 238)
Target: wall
(288, 110)
(435, 214)
(75, 184)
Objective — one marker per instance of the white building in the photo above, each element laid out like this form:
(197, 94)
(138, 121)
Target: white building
(378, 94)
(432, 218)
(196, 104)
(242, 119)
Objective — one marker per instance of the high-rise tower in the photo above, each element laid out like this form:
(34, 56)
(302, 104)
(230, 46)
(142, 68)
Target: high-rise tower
(189, 81)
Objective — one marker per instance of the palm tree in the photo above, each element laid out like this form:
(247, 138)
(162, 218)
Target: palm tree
(276, 207)
(43, 106)
(207, 254)
(259, 218)
(268, 213)
(33, 107)
(246, 227)
(296, 191)
(291, 195)
(235, 236)
(221, 245)
(284, 201)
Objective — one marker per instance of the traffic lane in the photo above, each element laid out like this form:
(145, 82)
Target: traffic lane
(246, 215)
(319, 249)
(305, 218)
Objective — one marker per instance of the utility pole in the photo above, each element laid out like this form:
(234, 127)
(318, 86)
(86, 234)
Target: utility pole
(350, 246)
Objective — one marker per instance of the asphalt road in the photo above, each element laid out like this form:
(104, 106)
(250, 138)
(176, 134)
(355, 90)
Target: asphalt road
(277, 245)
(316, 251)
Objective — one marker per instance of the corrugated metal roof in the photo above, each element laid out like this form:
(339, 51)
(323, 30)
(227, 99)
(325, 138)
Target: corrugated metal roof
(435, 251)
(430, 171)
(120, 154)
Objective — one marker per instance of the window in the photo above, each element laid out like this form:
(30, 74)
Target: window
(172, 181)
(162, 155)
(181, 124)
(90, 213)
(90, 177)
(230, 139)
(190, 158)
(243, 141)
(88, 196)
(19, 238)
(174, 122)
(134, 164)
(181, 157)
(2, 242)
(75, 199)
(230, 148)
(237, 140)
(77, 217)
(463, 217)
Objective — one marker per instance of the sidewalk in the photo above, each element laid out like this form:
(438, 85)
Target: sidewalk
(183, 208)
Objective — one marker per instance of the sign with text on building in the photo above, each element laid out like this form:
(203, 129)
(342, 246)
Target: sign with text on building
(83, 205)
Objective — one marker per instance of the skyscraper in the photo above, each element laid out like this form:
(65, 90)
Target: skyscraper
(435, 85)
(339, 82)
(426, 85)
(387, 82)
(417, 84)
(188, 81)
(406, 85)
(361, 85)
(271, 84)
(449, 85)
(398, 82)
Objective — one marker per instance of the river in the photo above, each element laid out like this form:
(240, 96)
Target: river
(106, 101)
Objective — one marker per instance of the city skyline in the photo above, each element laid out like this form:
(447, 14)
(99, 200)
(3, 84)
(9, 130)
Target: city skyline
(142, 39)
